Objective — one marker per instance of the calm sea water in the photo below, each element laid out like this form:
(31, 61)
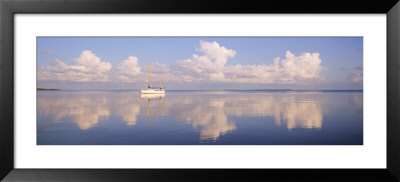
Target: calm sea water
(200, 118)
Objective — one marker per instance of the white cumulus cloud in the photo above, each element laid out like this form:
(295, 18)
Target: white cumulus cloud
(303, 67)
(88, 68)
(209, 65)
(128, 70)
(292, 69)
(212, 67)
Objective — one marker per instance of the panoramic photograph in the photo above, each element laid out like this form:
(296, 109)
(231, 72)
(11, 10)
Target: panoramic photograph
(199, 91)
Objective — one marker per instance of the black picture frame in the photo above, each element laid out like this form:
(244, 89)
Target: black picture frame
(9, 8)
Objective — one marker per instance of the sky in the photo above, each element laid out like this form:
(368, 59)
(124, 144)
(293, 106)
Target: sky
(200, 63)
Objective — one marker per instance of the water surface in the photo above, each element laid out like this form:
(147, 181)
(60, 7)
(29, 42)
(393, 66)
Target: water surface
(200, 117)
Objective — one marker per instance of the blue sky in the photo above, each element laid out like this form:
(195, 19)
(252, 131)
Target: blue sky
(220, 62)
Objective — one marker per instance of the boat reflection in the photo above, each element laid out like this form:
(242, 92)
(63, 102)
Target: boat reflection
(149, 97)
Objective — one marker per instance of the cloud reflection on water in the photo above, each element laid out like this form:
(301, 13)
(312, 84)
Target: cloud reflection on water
(84, 111)
(209, 113)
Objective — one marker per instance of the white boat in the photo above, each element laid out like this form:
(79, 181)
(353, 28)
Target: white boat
(152, 96)
(150, 90)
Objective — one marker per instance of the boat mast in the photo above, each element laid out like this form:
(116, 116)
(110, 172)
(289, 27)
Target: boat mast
(160, 83)
(148, 84)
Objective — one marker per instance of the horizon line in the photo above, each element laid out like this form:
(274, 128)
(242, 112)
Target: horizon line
(208, 89)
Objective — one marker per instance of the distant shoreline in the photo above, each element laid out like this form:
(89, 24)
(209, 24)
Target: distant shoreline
(47, 89)
(258, 90)
(230, 90)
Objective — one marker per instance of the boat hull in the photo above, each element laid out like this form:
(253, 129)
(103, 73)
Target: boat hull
(152, 91)
(152, 96)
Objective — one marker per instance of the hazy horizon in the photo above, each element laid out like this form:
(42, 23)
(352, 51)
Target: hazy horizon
(208, 89)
